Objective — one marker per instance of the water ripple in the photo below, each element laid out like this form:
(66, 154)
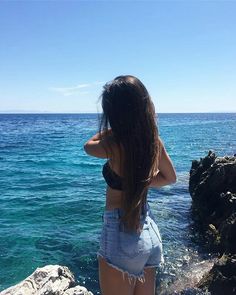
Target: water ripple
(53, 194)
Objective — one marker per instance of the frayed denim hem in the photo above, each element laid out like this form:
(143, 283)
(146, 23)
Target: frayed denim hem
(140, 277)
(160, 264)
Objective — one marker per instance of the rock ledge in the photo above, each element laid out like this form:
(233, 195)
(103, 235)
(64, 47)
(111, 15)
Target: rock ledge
(48, 280)
(212, 186)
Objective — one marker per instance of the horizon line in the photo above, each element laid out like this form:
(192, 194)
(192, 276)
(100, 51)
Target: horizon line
(79, 113)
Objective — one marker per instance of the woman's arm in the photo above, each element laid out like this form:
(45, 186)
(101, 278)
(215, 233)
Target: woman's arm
(166, 174)
(98, 146)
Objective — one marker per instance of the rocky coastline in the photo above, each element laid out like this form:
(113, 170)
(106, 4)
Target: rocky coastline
(212, 186)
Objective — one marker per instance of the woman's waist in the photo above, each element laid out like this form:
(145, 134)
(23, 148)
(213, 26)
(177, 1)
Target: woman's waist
(114, 199)
(118, 212)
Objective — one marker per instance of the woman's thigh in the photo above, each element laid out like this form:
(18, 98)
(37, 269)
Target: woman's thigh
(149, 285)
(113, 281)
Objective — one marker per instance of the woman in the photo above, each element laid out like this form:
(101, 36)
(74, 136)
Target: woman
(130, 244)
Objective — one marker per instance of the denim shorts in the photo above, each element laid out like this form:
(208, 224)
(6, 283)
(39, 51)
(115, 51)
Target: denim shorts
(130, 252)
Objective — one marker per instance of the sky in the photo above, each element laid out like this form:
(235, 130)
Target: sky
(55, 56)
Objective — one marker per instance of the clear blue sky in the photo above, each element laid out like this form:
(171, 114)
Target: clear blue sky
(56, 55)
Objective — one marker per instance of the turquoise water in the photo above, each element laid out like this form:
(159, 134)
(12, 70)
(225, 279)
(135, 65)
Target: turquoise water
(52, 193)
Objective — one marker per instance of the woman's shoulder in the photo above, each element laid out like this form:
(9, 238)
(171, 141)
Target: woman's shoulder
(102, 146)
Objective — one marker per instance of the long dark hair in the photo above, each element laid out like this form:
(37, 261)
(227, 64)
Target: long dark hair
(129, 112)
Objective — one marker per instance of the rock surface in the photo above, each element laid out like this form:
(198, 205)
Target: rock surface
(48, 280)
(221, 279)
(185, 283)
(212, 186)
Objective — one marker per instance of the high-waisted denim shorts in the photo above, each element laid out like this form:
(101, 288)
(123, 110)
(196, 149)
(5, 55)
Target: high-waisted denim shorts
(130, 252)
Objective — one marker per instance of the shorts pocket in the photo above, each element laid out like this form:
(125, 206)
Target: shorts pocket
(130, 244)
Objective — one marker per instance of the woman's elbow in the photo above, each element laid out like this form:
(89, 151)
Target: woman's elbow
(86, 148)
(172, 179)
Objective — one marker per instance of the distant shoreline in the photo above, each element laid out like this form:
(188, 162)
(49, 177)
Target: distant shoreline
(78, 113)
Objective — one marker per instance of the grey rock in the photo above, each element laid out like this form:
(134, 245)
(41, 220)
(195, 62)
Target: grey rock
(212, 186)
(78, 290)
(48, 280)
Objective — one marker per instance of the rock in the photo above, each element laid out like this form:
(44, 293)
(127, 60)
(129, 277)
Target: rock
(212, 186)
(48, 280)
(221, 279)
(188, 277)
(78, 290)
(228, 233)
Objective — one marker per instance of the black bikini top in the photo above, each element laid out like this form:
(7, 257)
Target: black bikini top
(115, 181)
(112, 179)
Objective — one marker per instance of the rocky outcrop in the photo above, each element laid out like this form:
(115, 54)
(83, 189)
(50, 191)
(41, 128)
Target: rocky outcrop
(221, 279)
(212, 186)
(48, 280)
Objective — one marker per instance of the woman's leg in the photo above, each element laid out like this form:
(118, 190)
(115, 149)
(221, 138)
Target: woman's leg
(148, 287)
(113, 281)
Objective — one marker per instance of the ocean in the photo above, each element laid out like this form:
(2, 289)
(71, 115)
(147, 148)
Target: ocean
(53, 194)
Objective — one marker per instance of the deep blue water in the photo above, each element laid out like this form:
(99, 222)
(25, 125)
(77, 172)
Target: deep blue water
(52, 193)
